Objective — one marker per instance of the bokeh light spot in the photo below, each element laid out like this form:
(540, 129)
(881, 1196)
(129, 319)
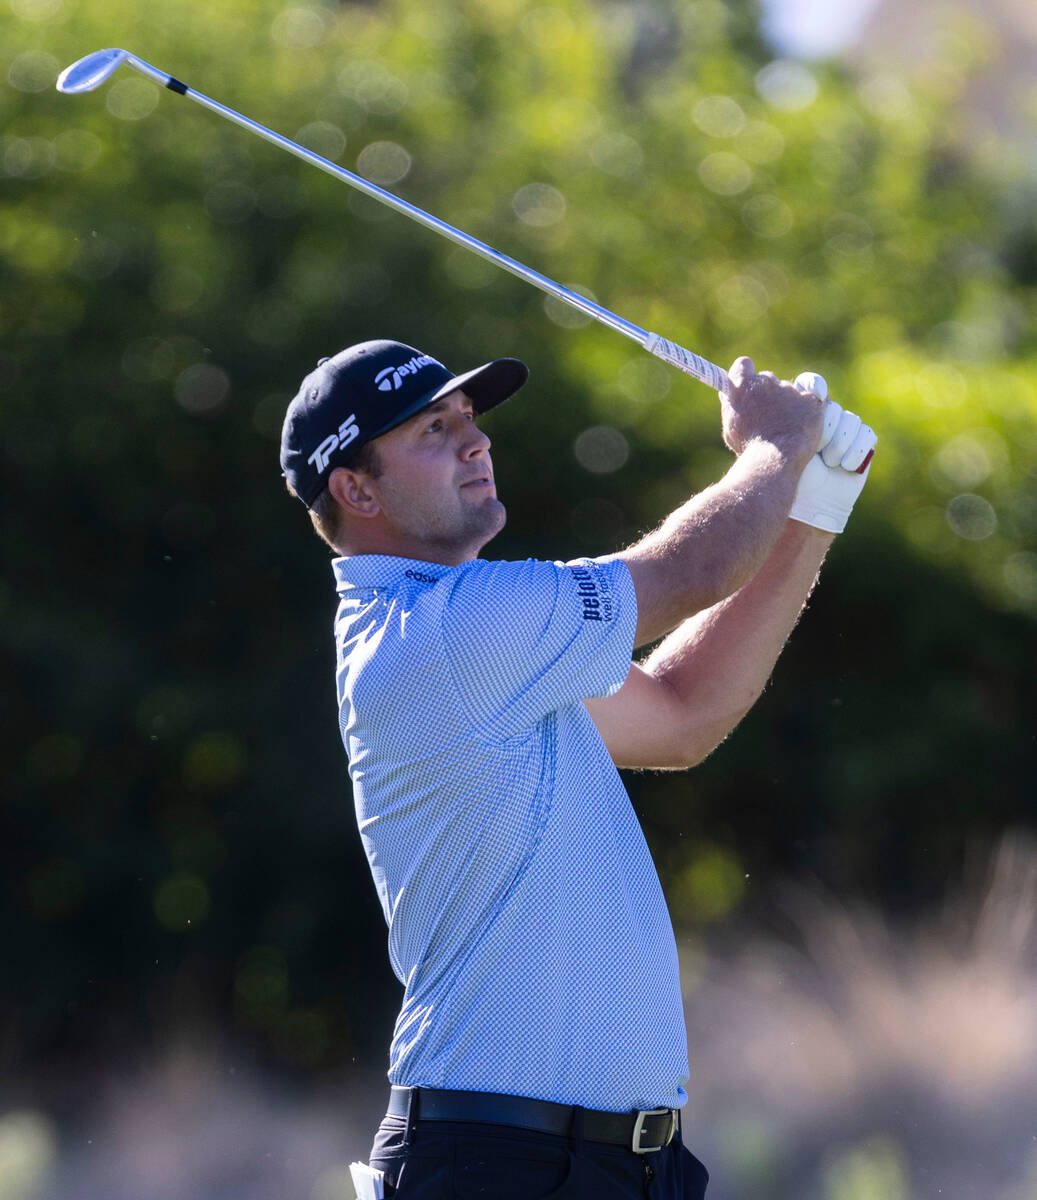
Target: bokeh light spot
(964, 460)
(564, 314)
(725, 173)
(846, 233)
(743, 299)
(97, 257)
(971, 517)
(33, 71)
(710, 886)
(1020, 574)
(468, 270)
(373, 87)
(941, 386)
(26, 158)
(77, 150)
(28, 1147)
(268, 415)
(719, 116)
(887, 96)
(547, 27)
(202, 388)
(177, 288)
(787, 85)
(215, 761)
(644, 380)
(538, 204)
(601, 449)
(181, 901)
(261, 986)
(874, 1169)
(36, 10)
(617, 154)
(323, 138)
(132, 98)
(384, 163)
(298, 28)
(148, 359)
(760, 142)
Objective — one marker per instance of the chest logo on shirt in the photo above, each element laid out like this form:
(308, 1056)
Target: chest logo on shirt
(594, 595)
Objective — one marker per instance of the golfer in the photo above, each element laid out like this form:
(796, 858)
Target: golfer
(485, 706)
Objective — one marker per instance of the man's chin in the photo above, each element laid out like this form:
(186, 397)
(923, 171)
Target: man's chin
(495, 523)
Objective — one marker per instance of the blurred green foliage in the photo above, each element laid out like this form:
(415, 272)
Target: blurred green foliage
(179, 836)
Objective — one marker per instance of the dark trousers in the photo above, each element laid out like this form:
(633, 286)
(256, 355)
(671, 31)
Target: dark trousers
(467, 1161)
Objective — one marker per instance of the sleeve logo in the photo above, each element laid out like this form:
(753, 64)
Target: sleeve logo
(593, 594)
(347, 431)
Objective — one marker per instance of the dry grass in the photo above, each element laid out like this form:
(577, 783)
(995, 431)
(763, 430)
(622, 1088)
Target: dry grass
(851, 1061)
(872, 1063)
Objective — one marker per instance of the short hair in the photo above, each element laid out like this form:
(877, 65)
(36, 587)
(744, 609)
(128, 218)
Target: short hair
(325, 512)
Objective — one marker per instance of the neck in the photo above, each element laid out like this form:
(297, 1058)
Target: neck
(422, 551)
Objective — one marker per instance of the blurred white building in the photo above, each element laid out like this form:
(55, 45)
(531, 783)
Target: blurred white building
(995, 41)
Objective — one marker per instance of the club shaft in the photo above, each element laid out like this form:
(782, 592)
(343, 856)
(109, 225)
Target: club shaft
(699, 368)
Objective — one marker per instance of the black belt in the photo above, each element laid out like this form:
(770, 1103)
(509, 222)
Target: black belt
(643, 1131)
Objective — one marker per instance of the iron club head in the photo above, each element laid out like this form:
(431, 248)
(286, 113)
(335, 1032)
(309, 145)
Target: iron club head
(90, 72)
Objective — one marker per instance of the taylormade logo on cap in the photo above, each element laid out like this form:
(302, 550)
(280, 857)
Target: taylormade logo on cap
(347, 431)
(391, 378)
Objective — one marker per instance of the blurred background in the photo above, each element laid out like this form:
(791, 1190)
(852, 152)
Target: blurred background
(195, 998)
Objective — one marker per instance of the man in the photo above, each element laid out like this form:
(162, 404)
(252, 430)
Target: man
(540, 1049)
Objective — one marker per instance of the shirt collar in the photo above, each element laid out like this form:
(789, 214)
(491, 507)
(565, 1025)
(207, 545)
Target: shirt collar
(383, 570)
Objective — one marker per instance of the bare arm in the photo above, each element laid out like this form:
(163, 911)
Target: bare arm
(716, 542)
(702, 679)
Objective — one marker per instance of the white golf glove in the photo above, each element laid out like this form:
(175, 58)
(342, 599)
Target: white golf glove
(833, 479)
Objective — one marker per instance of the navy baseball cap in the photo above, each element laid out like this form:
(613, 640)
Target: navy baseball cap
(366, 390)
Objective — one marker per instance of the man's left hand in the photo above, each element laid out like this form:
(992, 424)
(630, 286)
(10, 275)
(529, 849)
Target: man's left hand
(832, 479)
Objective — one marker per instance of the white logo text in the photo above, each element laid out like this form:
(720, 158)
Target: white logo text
(392, 377)
(347, 431)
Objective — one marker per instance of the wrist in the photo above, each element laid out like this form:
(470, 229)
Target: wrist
(797, 533)
(782, 453)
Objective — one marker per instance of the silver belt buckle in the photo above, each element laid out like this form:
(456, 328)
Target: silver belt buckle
(639, 1126)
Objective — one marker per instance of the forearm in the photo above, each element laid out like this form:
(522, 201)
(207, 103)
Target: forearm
(715, 543)
(718, 662)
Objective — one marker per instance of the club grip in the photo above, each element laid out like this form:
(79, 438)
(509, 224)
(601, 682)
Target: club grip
(691, 364)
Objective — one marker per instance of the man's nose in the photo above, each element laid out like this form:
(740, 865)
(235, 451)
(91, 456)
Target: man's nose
(475, 440)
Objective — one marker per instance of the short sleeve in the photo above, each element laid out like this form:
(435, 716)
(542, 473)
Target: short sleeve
(525, 638)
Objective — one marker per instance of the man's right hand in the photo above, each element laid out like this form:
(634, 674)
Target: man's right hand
(712, 545)
(762, 408)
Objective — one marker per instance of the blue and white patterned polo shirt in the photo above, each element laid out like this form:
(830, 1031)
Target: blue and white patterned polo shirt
(526, 921)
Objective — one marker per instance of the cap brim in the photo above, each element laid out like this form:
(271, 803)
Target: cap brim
(488, 385)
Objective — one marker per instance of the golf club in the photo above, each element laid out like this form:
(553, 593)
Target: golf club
(90, 72)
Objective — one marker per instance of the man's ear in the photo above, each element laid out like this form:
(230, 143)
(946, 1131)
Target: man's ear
(352, 491)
